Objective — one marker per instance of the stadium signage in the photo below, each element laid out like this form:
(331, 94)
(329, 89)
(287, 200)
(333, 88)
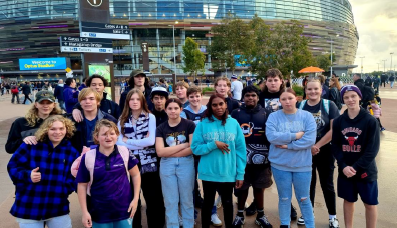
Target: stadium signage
(42, 64)
(81, 44)
(102, 30)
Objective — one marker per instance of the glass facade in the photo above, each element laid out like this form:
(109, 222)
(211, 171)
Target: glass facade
(31, 28)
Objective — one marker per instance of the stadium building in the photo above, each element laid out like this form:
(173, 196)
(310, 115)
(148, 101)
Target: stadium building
(31, 29)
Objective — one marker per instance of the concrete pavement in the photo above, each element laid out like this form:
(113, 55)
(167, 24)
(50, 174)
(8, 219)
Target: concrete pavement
(386, 161)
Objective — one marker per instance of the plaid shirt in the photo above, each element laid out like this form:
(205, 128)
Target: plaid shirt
(49, 197)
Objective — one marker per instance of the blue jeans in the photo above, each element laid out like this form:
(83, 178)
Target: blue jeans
(391, 84)
(63, 221)
(177, 181)
(301, 181)
(126, 223)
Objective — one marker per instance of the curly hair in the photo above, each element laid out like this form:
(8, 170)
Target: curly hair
(89, 80)
(32, 116)
(42, 133)
(104, 123)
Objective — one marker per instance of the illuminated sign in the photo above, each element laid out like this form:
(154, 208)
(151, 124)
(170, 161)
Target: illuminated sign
(42, 64)
(95, 3)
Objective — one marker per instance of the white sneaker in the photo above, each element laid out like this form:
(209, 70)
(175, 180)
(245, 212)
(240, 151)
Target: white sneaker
(215, 220)
(218, 202)
(333, 223)
(301, 221)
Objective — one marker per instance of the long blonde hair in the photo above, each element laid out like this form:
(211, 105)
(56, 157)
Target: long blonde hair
(42, 133)
(127, 110)
(32, 116)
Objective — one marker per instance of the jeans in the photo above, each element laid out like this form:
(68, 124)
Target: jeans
(324, 162)
(63, 221)
(225, 189)
(13, 98)
(119, 224)
(301, 181)
(391, 84)
(177, 181)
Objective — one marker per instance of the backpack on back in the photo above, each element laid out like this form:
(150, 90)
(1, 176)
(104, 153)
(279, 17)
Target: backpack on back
(324, 101)
(368, 94)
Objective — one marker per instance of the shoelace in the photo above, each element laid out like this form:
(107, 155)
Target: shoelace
(264, 219)
(237, 220)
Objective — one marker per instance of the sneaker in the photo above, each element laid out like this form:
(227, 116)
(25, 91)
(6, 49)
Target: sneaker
(263, 222)
(238, 222)
(294, 215)
(382, 129)
(301, 221)
(180, 220)
(215, 220)
(251, 209)
(333, 223)
(218, 202)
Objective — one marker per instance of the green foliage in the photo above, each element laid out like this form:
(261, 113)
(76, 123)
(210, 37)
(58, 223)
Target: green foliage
(194, 59)
(298, 90)
(208, 89)
(324, 61)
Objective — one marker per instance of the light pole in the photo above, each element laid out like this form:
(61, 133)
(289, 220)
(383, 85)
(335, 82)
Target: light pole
(362, 57)
(384, 65)
(337, 35)
(391, 61)
(378, 66)
(173, 41)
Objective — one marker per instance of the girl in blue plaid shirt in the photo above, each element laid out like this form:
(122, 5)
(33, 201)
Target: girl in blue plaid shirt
(41, 174)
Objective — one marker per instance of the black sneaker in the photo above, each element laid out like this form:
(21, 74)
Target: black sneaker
(251, 210)
(294, 215)
(238, 222)
(301, 221)
(198, 202)
(333, 223)
(263, 222)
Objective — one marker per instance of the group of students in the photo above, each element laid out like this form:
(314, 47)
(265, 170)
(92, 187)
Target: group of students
(162, 145)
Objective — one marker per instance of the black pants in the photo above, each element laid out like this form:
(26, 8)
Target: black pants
(384, 83)
(155, 210)
(324, 162)
(27, 98)
(380, 124)
(13, 98)
(226, 191)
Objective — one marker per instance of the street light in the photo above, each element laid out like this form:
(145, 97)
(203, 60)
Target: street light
(362, 57)
(337, 35)
(384, 65)
(391, 61)
(378, 66)
(173, 41)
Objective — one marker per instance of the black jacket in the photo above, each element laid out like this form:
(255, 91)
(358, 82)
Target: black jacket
(79, 138)
(355, 143)
(161, 116)
(26, 90)
(368, 81)
(123, 96)
(107, 106)
(58, 93)
(232, 104)
(18, 131)
(253, 124)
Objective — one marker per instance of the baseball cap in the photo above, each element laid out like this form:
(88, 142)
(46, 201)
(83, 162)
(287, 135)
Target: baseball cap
(137, 72)
(159, 91)
(45, 95)
(350, 88)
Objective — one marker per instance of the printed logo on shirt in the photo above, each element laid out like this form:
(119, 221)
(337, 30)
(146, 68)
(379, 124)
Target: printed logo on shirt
(175, 138)
(247, 129)
(351, 135)
(272, 105)
(319, 120)
(109, 111)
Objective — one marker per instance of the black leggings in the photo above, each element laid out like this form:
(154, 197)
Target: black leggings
(27, 98)
(225, 189)
(324, 162)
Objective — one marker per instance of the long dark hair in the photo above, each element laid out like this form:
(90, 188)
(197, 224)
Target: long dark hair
(209, 113)
(125, 115)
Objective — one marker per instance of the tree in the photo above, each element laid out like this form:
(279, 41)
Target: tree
(324, 61)
(194, 59)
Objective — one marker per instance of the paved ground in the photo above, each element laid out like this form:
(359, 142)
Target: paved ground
(386, 161)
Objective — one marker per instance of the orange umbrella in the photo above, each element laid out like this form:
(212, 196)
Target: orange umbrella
(311, 69)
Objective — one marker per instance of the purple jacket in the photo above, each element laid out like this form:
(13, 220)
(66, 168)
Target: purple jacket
(70, 97)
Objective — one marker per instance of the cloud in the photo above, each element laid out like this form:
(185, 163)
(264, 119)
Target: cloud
(376, 24)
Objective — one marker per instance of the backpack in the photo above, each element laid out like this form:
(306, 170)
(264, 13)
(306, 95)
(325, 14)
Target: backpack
(90, 163)
(14, 90)
(368, 94)
(325, 102)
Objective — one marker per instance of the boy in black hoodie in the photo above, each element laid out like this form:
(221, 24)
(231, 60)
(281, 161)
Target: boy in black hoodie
(355, 141)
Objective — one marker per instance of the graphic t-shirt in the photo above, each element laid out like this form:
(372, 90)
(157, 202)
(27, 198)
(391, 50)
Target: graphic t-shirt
(89, 129)
(321, 117)
(179, 134)
(270, 101)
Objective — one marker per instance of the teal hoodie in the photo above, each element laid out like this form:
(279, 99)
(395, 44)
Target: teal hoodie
(214, 165)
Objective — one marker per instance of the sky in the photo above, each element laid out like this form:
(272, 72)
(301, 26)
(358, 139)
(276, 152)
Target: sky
(376, 22)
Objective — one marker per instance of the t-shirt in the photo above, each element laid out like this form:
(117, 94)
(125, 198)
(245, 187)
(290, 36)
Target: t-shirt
(179, 134)
(111, 192)
(270, 101)
(321, 117)
(89, 129)
(237, 88)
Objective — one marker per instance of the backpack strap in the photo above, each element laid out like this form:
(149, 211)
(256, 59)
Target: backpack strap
(302, 104)
(90, 164)
(125, 154)
(326, 105)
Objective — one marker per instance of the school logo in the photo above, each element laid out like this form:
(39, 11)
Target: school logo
(247, 129)
(95, 3)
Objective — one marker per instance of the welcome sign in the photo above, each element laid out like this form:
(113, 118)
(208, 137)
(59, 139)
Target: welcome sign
(43, 64)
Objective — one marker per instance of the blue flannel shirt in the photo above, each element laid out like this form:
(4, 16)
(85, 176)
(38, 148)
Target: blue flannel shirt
(49, 197)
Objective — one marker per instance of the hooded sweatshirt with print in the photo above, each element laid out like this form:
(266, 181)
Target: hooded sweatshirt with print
(214, 165)
(281, 129)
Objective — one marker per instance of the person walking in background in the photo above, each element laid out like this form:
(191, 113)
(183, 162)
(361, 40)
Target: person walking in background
(219, 140)
(105, 196)
(324, 112)
(383, 79)
(58, 93)
(41, 176)
(15, 94)
(376, 82)
(70, 94)
(236, 88)
(292, 133)
(26, 90)
(173, 141)
(355, 144)
(391, 80)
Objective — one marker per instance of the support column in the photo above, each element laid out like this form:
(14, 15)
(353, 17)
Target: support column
(158, 50)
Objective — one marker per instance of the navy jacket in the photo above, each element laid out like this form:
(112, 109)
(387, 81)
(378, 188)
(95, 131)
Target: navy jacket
(47, 198)
(58, 93)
